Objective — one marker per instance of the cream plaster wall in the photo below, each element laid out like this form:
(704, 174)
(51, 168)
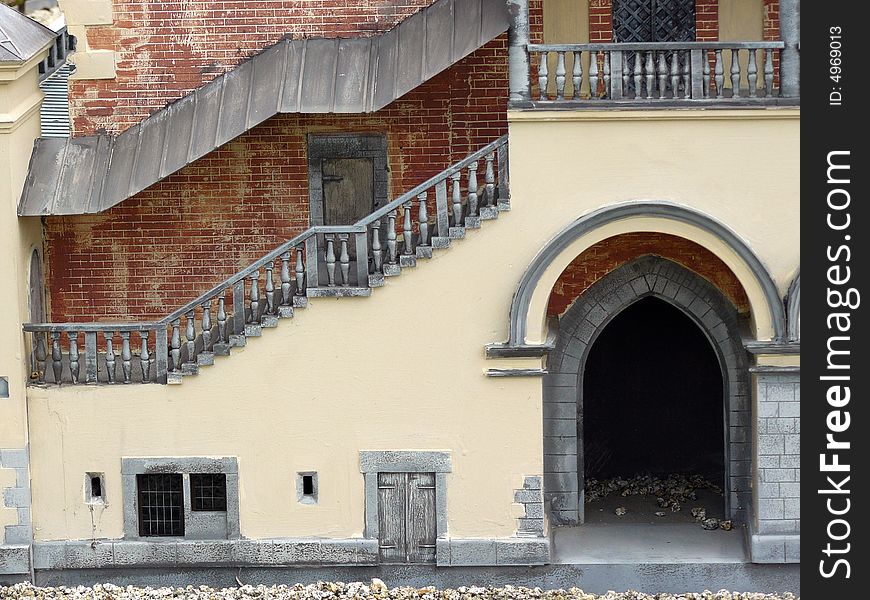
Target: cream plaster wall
(404, 369)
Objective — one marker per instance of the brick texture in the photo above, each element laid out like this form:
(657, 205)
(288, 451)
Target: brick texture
(169, 243)
(605, 256)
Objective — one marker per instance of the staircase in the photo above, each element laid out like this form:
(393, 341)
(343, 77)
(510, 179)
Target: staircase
(324, 261)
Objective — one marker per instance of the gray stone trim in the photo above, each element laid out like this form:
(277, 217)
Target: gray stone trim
(493, 552)
(702, 302)
(793, 308)
(774, 369)
(87, 554)
(516, 372)
(775, 548)
(598, 218)
(373, 462)
(198, 525)
(17, 497)
(404, 461)
(345, 145)
(531, 496)
(772, 348)
(15, 560)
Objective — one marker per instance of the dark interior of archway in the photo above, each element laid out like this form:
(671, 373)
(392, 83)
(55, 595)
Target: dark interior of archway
(652, 397)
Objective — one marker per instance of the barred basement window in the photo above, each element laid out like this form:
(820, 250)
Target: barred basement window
(161, 504)
(208, 491)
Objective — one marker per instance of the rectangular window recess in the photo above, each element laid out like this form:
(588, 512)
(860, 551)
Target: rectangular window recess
(95, 488)
(208, 492)
(306, 487)
(4, 387)
(161, 504)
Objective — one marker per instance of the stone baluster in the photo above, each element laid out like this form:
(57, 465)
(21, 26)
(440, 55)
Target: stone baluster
(110, 356)
(254, 296)
(126, 357)
(222, 320)
(74, 367)
(407, 229)
(752, 74)
(593, 74)
(768, 72)
(190, 335)
(300, 272)
(330, 259)
(577, 74)
(607, 92)
(145, 357)
(719, 74)
(423, 220)
(735, 73)
(392, 245)
(543, 74)
(377, 251)
(687, 75)
(56, 357)
(626, 73)
(663, 74)
(344, 259)
(650, 74)
(472, 210)
(206, 326)
(456, 194)
(638, 74)
(675, 73)
(560, 75)
(40, 355)
(706, 68)
(175, 347)
(489, 179)
(286, 287)
(270, 290)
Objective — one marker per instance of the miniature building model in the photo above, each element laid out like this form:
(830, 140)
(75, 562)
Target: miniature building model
(413, 282)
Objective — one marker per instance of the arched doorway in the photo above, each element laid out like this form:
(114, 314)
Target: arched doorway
(653, 407)
(704, 315)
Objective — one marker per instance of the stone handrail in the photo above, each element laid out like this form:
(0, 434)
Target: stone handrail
(318, 262)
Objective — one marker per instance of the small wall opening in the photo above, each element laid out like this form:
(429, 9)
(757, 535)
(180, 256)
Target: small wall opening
(306, 487)
(653, 406)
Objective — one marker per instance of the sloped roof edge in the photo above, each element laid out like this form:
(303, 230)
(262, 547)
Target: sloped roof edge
(91, 174)
(21, 38)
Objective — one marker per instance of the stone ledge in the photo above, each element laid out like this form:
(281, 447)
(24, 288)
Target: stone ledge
(84, 554)
(14, 560)
(493, 552)
(769, 549)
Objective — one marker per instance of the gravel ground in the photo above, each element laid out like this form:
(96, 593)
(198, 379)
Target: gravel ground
(376, 590)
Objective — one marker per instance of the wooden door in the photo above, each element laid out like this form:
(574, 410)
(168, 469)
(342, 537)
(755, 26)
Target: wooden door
(348, 190)
(406, 517)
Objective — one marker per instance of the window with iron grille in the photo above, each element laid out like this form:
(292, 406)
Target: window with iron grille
(208, 491)
(161, 504)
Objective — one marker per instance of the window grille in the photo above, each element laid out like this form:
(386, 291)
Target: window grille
(161, 504)
(208, 491)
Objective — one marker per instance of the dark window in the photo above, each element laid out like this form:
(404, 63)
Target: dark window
(161, 504)
(208, 491)
(653, 21)
(308, 485)
(96, 487)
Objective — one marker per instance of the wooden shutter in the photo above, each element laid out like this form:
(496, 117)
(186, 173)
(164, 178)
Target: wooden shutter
(406, 517)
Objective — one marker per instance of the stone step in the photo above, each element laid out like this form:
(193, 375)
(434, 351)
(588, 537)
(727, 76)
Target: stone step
(392, 270)
(456, 233)
(238, 341)
(300, 301)
(472, 222)
(440, 242)
(503, 206)
(339, 292)
(253, 330)
(205, 359)
(488, 213)
(269, 321)
(285, 312)
(221, 349)
(174, 378)
(189, 368)
(424, 251)
(376, 280)
(407, 261)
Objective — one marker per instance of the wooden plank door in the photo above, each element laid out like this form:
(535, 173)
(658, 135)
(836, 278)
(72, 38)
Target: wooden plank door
(420, 521)
(406, 517)
(348, 190)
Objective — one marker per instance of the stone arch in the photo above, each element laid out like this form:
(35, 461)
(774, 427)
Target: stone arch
(579, 328)
(793, 308)
(655, 216)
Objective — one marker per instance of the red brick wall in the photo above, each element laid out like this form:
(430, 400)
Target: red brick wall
(171, 242)
(605, 256)
(166, 48)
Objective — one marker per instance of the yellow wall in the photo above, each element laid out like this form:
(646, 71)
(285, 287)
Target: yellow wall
(404, 369)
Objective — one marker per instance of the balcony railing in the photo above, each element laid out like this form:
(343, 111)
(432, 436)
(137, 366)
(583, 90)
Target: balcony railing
(743, 72)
